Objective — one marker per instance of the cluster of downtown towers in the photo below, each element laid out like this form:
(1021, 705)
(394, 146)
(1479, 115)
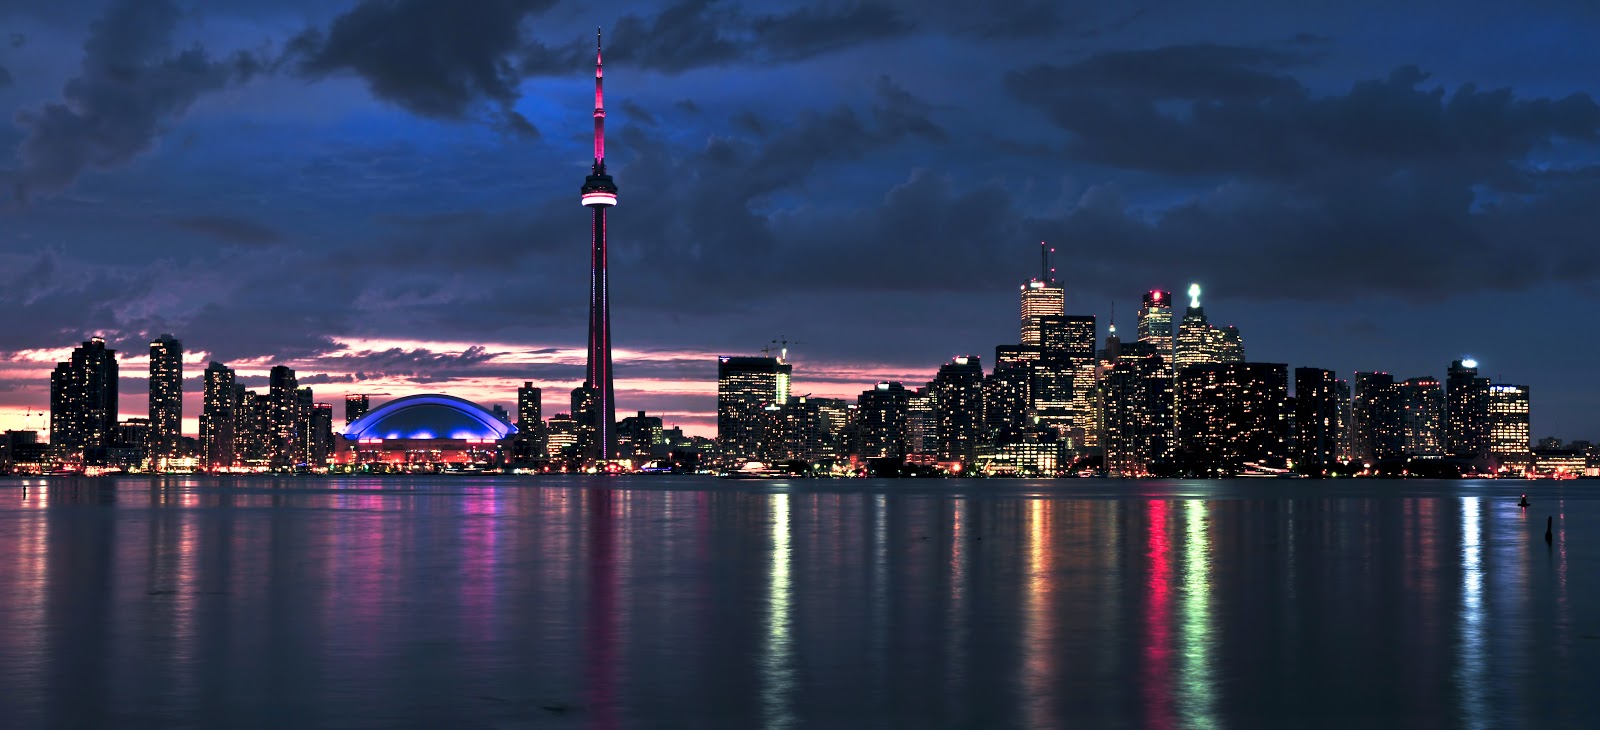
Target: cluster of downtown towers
(1166, 403)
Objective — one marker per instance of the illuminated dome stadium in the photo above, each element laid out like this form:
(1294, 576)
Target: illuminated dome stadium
(429, 417)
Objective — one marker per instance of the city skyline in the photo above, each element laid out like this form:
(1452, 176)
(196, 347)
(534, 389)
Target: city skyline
(394, 242)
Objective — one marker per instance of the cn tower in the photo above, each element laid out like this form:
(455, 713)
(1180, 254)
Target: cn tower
(599, 193)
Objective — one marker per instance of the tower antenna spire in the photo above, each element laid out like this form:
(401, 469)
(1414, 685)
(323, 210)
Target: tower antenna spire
(599, 108)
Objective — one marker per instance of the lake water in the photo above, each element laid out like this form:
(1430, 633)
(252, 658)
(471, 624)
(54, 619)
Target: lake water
(686, 602)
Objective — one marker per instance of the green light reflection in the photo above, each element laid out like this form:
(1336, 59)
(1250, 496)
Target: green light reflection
(1196, 697)
(777, 668)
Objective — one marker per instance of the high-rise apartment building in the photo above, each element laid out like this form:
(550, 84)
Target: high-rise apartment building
(745, 387)
(958, 396)
(1466, 418)
(320, 434)
(166, 396)
(1422, 419)
(355, 406)
(1379, 413)
(1317, 422)
(1233, 416)
(219, 417)
(922, 422)
(287, 440)
(882, 414)
(1137, 416)
(1508, 424)
(83, 399)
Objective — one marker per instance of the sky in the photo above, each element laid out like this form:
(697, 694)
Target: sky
(384, 194)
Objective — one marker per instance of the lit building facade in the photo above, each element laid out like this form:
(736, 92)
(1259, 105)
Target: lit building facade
(1379, 411)
(882, 418)
(422, 432)
(745, 387)
(219, 417)
(1155, 323)
(166, 396)
(1317, 422)
(1508, 424)
(958, 394)
(83, 399)
(1422, 418)
(1466, 417)
(355, 406)
(1233, 417)
(1137, 417)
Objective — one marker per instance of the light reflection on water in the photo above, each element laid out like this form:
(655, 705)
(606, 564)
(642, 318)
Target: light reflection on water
(702, 603)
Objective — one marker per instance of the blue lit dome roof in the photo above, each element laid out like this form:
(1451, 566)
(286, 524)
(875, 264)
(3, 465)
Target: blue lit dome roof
(429, 417)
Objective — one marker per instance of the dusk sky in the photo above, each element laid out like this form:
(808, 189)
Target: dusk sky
(384, 195)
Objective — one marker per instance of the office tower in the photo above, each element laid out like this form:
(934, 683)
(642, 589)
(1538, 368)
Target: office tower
(599, 193)
(133, 434)
(166, 396)
(1194, 335)
(637, 435)
(1232, 416)
(1466, 417)
(1379, 418)
(321, 433)
(1347, 420)
(1508, 424)
(83, 399)
(1064, 393)
(1422, 404)
(1227, 344)
(922, 422)
(584, 402)
(745, 387)
(355, 406)
(530, 407)
(1136, 398)
(562, 436)
(304, 404)
(804, 432)
(958, 397)
(286, 439)
(1007, 401)
(1316, 417)
(881, 417)
(1041, 297)
(1155, 323)
(218, 417)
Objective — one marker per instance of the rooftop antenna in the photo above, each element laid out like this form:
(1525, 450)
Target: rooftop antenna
(783, 342)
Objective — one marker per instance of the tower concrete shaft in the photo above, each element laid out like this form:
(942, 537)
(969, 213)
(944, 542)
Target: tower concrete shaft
(600, 193)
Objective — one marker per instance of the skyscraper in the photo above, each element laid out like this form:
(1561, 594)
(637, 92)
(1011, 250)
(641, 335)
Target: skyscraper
(285, 437)
(1137, 417)
(83, 398)
(1194, 335)
(530, 407)
(219, 416)
(166, 396)
(355, 406)
(1317, 421)
(1155, 323)
(746, 386)
(958, 401)
(320, 434)
(882, 417)
(598, 194)
(1466, 418)
(1508, 425)
(1422, 404)
(1064, 389)
(1379, 418)
(1041, 297)
(1232, 416)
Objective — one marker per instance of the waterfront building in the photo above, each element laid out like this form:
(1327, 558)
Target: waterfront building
(320, 435)
(83, 400)
(561, 436)
(881, 417)
(287, 443)
(1508, 425)
(355, 406)
(584, 402)
(958, 395)
(1155, 324)
(166, 396)
(1466, 421)
(1422, 416)
(1233, 417)
(423, 431)
(1137, 412)
(219, 417)
(638, 436)
(922, 422)
(1008, 393)
(1379, 411)
(1317, 419)
(745, 387)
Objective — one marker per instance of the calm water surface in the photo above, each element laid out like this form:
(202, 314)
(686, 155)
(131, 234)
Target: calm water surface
(698, 603)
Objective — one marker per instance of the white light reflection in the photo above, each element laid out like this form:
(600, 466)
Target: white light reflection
(1038, 624)
(1195, 695)
(1469, 670)
(778, 669)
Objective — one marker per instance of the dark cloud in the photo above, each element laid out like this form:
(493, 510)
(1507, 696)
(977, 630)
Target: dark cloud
(684, 35)
(418, 365)
(812, 30)
(229, 229)
(129, 86)
(638, 114)
(5, 77)
(439, 60)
